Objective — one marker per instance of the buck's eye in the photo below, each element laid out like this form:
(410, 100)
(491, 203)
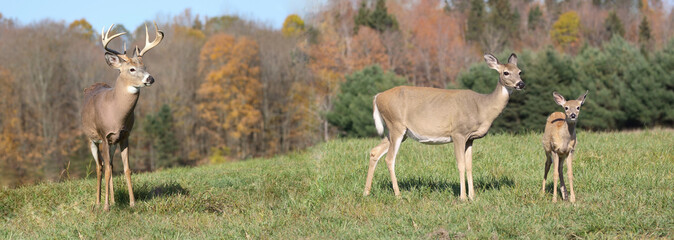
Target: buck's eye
(566, 108)
(132, 70)
(506, 73)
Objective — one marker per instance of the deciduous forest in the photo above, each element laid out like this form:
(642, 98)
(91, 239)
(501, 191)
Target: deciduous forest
(228, 88)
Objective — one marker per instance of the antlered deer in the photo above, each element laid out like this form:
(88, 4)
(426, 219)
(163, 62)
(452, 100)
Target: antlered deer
(559, 142)
(107, 115)
(439, 116)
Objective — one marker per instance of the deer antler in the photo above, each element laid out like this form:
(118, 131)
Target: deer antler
(149, 45)
(105, 38)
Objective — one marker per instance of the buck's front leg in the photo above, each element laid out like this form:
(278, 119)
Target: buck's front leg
(124, 148)
(459, 151)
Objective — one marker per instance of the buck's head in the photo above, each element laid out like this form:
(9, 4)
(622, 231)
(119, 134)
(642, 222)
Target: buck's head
(132, 72)
(571, 107)
(509, 73)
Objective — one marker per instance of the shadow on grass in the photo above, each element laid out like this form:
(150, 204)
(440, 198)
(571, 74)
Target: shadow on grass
(444, 185)
(148, 192)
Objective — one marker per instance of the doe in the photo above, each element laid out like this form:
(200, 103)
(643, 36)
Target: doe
(439, 116)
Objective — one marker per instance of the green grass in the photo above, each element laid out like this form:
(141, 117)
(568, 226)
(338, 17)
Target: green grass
(623, 184)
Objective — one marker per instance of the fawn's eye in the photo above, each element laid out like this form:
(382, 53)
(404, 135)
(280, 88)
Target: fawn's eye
(132, 70)
(577, 108)
(566, 108)
(506, 73)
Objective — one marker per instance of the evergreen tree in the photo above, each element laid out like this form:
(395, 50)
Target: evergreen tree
(535, 18)
(503, 18)
(476, 20)
(644, 34)
(352, 111)
(159, 128)
(379, 19)
(613, 25)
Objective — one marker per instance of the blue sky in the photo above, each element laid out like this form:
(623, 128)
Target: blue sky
(133, 13)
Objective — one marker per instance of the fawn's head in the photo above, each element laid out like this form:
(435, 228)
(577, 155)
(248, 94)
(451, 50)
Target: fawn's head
(509, 73)
(571, 107)
(132, 72)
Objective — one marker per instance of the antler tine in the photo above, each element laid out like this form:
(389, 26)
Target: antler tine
(105, 39)
(149, 45)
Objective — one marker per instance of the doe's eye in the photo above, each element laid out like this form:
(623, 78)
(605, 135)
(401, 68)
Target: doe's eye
(566, 108)
(506, 73)
(132, 70)
(577, 108)
(521, 73)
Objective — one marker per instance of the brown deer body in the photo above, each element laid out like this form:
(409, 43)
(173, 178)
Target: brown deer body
(559, 142)
(107, 114)
(439, 116)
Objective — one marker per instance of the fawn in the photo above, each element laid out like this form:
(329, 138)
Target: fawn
(559, 142)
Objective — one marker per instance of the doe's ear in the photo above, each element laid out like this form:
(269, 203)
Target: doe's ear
(113, 60)
(559, 99)
(582, 97)
(492, 62)
(513, 59)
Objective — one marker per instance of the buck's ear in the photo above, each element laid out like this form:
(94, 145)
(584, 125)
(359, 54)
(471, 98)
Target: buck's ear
(492, 62)
(113, 60)
(581, 99)
(513, 59)
(559, 99)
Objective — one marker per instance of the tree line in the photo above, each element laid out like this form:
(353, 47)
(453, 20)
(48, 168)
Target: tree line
(229, 88)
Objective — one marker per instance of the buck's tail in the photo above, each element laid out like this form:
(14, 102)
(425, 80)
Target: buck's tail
(378, 121)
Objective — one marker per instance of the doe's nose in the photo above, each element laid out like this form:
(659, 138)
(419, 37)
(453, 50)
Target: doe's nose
(150, 80)
(573, 115)
(520, 85)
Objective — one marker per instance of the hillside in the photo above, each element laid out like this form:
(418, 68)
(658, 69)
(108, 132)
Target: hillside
(623, 184)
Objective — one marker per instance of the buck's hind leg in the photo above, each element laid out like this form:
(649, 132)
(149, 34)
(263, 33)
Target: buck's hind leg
(375, 154)
(99, 166)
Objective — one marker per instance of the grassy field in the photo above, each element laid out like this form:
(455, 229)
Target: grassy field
(623, 184)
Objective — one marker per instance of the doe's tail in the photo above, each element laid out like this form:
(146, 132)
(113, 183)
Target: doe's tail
(378, 121)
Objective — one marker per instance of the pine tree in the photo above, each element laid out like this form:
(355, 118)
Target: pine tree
(613, 25)
(160, 129)
(352, 111)
(476, 20)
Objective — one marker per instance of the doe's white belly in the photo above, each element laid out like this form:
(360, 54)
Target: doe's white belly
(428, 139)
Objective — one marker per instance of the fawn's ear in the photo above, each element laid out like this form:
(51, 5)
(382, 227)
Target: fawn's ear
(492, 62)
(559, 99)
(582, 97)
(513, 59)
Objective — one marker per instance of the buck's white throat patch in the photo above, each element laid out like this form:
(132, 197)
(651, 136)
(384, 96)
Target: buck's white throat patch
(132, 89)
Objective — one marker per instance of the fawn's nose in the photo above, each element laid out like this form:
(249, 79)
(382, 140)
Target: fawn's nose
(520, 85)
(573, 115)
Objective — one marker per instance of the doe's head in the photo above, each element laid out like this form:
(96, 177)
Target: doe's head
(571, 107)
(132, 71)
(509, 73)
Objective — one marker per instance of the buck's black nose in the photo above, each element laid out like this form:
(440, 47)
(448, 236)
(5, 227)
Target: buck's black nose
(520, 85)
(150, 79)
